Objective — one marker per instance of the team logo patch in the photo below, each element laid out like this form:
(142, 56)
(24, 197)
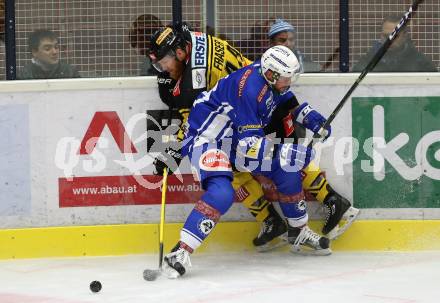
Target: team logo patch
(302, 116)
(301, 205)
(164, 34)
(219, 54)
(254, 150)
(243, 81)
(243, 128)
(262, 93)
(164, 80)
(198, 55)
(215, 160)
(199, 78)
(241, 194)
(206, 226)
(269, 103)
(176, 89)
(288, 125)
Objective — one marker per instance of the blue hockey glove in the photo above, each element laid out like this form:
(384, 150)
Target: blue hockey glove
(312, 120)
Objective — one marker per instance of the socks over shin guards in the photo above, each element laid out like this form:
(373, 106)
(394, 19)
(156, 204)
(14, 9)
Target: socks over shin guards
(199, 224)
(295, 213)
(216, 201)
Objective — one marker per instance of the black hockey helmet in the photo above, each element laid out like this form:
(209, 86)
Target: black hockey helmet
(164, 41)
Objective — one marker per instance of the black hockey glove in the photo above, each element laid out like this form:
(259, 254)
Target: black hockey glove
(169, 159)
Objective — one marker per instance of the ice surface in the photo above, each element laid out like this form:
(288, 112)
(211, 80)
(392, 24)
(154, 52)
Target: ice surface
(233, 277)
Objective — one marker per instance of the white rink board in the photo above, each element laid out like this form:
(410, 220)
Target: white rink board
(60, 109)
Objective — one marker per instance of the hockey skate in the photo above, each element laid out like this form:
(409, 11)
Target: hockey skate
(176, 262)
(338, 208)
(306, 242)
(273, 234)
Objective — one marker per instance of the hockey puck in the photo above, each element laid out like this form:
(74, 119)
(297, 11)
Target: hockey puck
(150, 275)
(95, 286)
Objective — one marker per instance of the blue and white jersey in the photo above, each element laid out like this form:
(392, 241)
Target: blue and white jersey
(237, 109)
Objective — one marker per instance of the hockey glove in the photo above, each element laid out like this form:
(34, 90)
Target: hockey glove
(312, 120)
(169, 159)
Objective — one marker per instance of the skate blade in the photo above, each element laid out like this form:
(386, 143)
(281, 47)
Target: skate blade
(349, 216)
(306, 251)
(279, 241)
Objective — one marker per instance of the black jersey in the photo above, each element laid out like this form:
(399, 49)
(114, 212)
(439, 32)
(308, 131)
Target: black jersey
(209, 60)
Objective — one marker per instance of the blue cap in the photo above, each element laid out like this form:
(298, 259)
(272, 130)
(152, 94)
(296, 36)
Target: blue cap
(281, 26)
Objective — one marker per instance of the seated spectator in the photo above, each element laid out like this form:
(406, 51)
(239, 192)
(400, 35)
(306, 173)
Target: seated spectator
(139, 36)
(46, 64)
(283, 33)
(402, 56)
(253, 47)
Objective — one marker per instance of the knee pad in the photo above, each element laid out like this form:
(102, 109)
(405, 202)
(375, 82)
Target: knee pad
(219, 193)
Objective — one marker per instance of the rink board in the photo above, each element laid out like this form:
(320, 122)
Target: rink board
(392, 235)
(55, 181)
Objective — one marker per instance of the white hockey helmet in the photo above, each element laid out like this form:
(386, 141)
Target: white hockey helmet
(282, 62)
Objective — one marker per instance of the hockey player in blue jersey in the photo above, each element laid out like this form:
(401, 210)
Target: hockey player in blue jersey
(225, 130)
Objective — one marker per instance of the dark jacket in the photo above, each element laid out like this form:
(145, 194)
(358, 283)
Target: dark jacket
(34, 71)
(402, 59)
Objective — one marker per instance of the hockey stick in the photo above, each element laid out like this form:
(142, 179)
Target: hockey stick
(152, 274)
(379, 54)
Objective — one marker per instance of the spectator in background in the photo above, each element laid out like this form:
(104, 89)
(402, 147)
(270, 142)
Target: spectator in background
(46, 64)
(283, 33)
(257, 43)
(139, 35)
(402, 56)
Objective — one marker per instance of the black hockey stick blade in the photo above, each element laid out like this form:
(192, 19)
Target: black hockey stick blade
(370, 66)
